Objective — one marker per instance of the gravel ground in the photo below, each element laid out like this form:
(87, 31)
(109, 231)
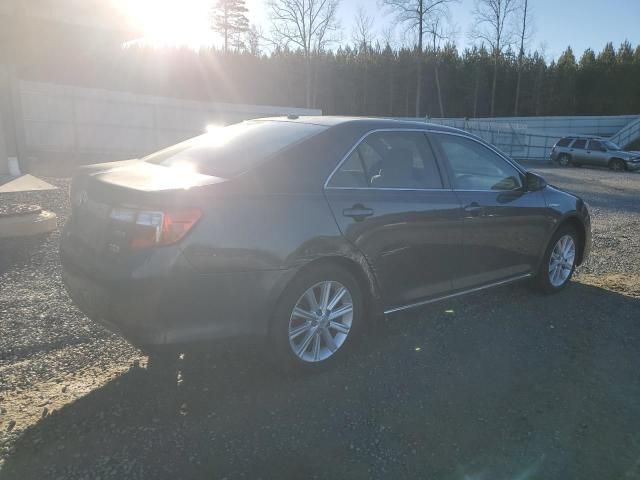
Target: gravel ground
(501, 384)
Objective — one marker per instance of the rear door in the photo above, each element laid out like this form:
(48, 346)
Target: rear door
(391, 200)
(578, 151)
(505, 226)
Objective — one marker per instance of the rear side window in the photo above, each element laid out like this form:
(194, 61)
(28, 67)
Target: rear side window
(229, 151)
(579, 144)
(564, 142)
(390, 160)
(595, 145)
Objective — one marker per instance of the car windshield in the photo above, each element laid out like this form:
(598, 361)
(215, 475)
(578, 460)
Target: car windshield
(611, 145)
(229, 151)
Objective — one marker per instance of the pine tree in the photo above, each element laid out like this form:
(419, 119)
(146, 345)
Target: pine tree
(230, 21)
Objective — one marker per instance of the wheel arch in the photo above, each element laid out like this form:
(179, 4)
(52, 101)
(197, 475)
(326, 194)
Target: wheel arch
(355, 265)
(616, 159)
(572, 220)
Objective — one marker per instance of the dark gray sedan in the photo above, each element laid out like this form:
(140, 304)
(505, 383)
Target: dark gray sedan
(300, 231)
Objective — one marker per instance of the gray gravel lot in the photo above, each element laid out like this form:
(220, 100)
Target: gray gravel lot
(502, 384)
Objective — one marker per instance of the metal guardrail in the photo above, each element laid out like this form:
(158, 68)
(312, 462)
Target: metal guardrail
(512, 138)
(628, 134)
(515, 139)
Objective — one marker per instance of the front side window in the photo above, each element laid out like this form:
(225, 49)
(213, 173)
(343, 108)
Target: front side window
(580, 144)
(476, 167)
(564, 142)
(390, 160)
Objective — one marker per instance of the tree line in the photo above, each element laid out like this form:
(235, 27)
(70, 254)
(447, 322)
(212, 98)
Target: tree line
(298, 63)
(381, 81)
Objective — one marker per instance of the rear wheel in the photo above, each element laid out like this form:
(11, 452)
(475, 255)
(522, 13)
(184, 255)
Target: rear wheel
(559, 261)
(617, 165)
(564, 160)
(317, 318)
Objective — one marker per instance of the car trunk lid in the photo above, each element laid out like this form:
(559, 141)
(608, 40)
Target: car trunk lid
(100, 193)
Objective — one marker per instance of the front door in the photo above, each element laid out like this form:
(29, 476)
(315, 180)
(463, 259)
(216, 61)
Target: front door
(505, 226)
(390, 200)
(597, 153)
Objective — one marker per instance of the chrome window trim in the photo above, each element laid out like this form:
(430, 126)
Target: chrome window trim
(394, 189)
(490, 147)
(457, 294)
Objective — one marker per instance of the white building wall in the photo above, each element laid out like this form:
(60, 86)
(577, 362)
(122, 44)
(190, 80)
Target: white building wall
(66, 126)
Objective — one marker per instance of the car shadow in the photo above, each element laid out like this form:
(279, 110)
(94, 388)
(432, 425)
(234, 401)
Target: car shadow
(500, 384)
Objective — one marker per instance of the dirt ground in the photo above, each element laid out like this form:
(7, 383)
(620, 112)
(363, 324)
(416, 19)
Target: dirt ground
(502, 384)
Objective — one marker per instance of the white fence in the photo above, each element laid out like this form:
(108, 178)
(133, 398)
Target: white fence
(66, 126)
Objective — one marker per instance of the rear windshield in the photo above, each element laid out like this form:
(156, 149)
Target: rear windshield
(228, 151)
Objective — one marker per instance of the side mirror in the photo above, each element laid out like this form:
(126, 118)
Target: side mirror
(534, 182)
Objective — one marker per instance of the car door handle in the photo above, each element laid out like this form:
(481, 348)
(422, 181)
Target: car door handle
(358, 212)
(474, 209)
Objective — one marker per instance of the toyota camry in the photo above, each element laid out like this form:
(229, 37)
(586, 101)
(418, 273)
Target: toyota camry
(300, 231)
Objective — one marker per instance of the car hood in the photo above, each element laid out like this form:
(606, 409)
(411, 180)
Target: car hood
(626, 154)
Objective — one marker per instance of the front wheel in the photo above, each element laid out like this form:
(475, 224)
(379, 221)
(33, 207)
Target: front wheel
(559, 261)
(617, 165)
(318, 316)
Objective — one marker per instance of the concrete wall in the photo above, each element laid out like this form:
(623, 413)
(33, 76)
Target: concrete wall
(4, 164)
(66, 126)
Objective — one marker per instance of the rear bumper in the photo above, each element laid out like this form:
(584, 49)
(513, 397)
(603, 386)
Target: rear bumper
(181, 308)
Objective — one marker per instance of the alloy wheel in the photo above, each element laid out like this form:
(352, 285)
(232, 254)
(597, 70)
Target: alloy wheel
(320, 321)
(562, 260)
(617, 166)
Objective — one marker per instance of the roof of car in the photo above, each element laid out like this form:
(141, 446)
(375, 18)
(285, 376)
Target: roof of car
(584, 137)
(370, 122)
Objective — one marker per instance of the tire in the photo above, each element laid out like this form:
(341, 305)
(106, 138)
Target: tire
(551, 279)
(617, 165)
(289, 331)
(564, 160)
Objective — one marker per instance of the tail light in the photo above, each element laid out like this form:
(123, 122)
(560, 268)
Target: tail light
(156, 228)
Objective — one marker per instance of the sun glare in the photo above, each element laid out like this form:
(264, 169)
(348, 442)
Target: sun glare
(170, 22)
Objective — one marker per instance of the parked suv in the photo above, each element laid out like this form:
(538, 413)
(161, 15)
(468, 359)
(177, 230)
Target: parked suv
(594, 151)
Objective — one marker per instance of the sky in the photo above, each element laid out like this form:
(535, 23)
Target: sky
(557, 23)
